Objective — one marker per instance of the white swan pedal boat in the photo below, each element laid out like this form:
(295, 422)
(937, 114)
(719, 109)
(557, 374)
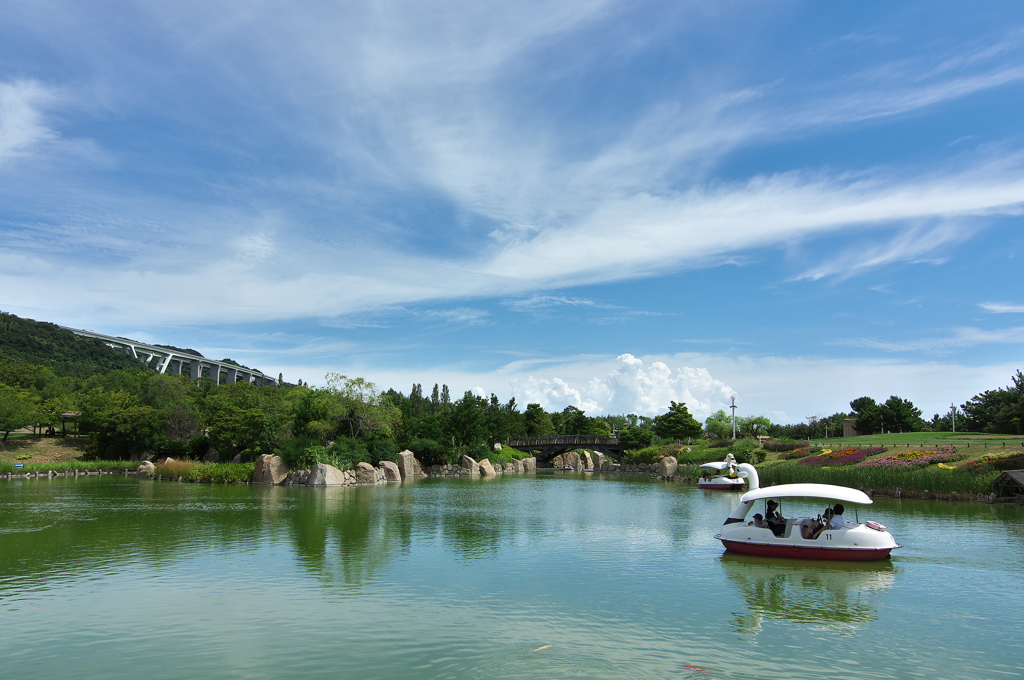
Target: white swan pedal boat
(855, 541)
(727, 479)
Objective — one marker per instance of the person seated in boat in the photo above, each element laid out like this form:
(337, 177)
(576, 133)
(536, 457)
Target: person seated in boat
(776, 522)
(813, 529)
(705, 476)
(838, 521)
(758, 521)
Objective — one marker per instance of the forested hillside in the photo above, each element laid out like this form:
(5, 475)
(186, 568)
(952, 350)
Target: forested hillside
(46, 344)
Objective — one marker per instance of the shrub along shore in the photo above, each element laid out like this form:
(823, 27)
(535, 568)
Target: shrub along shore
(940, 467)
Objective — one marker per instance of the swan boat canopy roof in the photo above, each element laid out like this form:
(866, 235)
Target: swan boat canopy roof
(717, 466)
(829, 491)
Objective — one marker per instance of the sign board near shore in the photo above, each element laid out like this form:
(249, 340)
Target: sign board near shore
(19, 465)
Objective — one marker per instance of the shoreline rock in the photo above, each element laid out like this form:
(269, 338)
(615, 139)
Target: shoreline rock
(270, 469)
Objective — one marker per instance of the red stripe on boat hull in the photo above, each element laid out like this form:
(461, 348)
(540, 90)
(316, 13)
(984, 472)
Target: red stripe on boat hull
(846, 554)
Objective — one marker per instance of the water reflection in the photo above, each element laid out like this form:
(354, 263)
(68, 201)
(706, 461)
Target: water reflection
(835, 594)
(71, 529)
(343, 536)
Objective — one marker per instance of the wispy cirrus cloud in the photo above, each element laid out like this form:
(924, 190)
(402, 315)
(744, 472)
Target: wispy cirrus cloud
(959, 339)
(916, 244)
(23, 125)
(537, 302)
(1002, 307)
(415, 99)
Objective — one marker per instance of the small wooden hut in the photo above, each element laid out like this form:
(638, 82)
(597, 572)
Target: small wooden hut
(1009, 483)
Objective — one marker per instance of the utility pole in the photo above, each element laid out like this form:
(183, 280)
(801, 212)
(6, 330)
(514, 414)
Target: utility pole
(733, 407)
(953, 407)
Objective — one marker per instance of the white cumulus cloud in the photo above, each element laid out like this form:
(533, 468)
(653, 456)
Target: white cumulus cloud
(633, 387)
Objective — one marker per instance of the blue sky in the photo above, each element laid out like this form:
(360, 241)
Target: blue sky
(606, 204)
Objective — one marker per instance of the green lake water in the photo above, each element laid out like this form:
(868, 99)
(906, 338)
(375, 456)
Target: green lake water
(547, 576)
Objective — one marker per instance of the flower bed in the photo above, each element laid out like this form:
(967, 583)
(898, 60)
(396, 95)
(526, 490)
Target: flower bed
(909, 460)
(799, 453)
(849, 456)
(994, 463)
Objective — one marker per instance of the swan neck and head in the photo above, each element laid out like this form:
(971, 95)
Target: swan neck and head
(748, 472)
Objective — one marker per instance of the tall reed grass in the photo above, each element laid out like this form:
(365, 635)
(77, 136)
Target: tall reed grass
(214, 473)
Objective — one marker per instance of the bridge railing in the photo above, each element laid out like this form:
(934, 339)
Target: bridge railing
(561, 439)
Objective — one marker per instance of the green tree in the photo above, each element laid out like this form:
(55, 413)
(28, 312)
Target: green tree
(465, 421)
(364, 410)
(756, 426)
(868, 415)
(236, 430)
(537, 422)
(503, 421)
(632, 437)
(900, 415)
(50, 412)
(17, 410)
(136, 430)
(573, 421)
(677, 423)
(118, 427)
(997, 411)
(719, 425)
(317, 415)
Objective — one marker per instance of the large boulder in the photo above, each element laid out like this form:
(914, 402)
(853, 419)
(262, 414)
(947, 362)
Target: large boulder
(486, 468)
(391, 471)
(598, 460)
(146, 468)
(211, 456)
(469, 466)
(571, 459)
(270, 470)
(529, 464)
(517, 465)
(365, 474)
(408, 465)
(325, 475)
(588, 462)
(667, 467)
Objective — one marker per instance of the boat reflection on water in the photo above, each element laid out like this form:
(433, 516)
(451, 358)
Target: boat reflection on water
(838, 595)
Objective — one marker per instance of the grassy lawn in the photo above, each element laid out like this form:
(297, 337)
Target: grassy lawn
(41, 449)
